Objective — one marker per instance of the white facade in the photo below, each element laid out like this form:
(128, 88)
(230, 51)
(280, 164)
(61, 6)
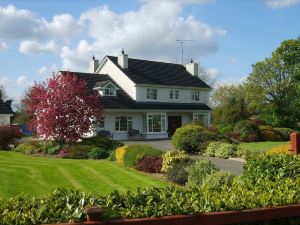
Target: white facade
(5, 119)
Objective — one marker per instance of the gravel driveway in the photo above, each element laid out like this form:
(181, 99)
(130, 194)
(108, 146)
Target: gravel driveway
(234, 166)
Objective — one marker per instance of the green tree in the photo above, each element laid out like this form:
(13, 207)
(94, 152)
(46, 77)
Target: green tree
(229, 104)
(271, 88)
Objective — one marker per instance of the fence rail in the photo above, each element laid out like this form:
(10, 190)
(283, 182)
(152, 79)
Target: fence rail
(94, 216)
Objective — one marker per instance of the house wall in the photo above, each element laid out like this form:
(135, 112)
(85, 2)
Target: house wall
(5, 119)
(119, 77)
(163, 94)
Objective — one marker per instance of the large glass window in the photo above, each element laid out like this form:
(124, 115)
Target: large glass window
(156, 122)
(123, 123)
(196, 96)
(201, 118)
(152, 93)
(174, 94)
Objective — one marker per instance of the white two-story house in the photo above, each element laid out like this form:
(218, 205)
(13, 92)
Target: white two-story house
(152, 97)
(5, 111)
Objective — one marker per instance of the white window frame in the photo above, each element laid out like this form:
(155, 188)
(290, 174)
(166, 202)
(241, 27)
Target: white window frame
(101, 122)
(174, 94)
(118, 123)
(151, 94)
(195, 95)
(163, 122)
(199, 116)
(109, 91)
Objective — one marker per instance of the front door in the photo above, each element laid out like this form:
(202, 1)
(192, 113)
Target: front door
(173, 123)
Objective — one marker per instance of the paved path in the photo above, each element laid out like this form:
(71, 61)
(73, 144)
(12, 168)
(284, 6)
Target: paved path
(232, 165)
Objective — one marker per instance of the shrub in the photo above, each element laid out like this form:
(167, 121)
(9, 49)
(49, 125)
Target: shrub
(77, 152)
(27, 148)
(49, 147)
(54, 150)
(199, 171)
(218, 179)
(245, 128)
(120, 152)
(243, 152)
(98, 153)
(267, 133)
(225, 128)
(284, 133)
(112, 156)
(272, 167)
(135, 152)
(221, 149)
(150, 164)
(8, 136)
(171, 158)
(280, 149)
(191, 136)
(179, 172)
(102, 142)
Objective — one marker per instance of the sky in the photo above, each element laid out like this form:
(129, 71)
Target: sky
(38, 38)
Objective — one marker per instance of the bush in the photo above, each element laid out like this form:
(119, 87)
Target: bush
(120, 152)
(150, 164)
(245, 128)
(27, 148)
(8, 136)
(225, 128)
(49, 147)
(199, 171)
(218, 179)
(267, 133)
(135, 152)
(191, 136)
(271, 167)
(221, 149)
(98, 153)
(284, 133)
(179, 172)
(76, 152)
(243, 152)
(112, 156)
(171, 158)
(281, 149)
(102, 142)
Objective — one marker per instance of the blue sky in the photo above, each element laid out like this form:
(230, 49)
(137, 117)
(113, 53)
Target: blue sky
(39, 37)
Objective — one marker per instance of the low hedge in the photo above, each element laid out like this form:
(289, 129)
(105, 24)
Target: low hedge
(221, 150)
(136, 152)
(102, 142)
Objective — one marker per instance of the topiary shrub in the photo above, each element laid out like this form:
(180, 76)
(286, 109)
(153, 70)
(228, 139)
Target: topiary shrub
(171, 158)
(199, 171)
(218, 179)
(221, 149)
(76, 151)
(191, 136)
(120, 152)
(178, 173)
(8, 136)
(98, 153)
(284, 133)
(135, 152)
(150, 164)
(102, 142)
(267, 133)
(282, 149)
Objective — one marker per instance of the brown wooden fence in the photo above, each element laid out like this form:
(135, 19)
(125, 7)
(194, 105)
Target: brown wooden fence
(94, 216)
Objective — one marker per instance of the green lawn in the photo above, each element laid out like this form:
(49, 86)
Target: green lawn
(260, 147)
(38, 176)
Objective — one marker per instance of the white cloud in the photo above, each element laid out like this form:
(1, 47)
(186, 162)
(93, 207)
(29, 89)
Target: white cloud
(3, 46)
(5, 81)
(42, 70)
(23, 81)
(37, 48)
(275, 4)
(47, 71)
(214, 73)
(149, 32)
(18, 24)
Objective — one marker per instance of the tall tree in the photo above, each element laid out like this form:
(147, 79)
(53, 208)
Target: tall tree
(62, 108)
(272, 86)
(229, 104)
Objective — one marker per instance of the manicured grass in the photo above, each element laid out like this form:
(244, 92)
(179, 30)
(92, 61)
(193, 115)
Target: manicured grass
(38, 176)
(260, 147)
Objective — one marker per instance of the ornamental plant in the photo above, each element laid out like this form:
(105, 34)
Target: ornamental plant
(120, 152)
(62, 108)
(171, 158)
(280, 149)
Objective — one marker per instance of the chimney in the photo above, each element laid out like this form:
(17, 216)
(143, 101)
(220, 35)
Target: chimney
(94, 63)
(123, 60)
(192, 68)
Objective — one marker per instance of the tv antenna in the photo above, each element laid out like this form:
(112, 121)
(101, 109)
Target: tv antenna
(182, 42)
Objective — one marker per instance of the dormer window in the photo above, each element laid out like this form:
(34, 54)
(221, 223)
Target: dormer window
(109, 90)
(174, 94)
(195, 96)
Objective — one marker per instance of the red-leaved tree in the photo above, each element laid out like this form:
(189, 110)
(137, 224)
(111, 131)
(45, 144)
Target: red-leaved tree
(62, 108)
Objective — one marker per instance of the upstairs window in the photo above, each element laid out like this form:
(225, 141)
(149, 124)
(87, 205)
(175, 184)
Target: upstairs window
(196, 96)
(109, 90)
(151, 94)
(174, 94)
